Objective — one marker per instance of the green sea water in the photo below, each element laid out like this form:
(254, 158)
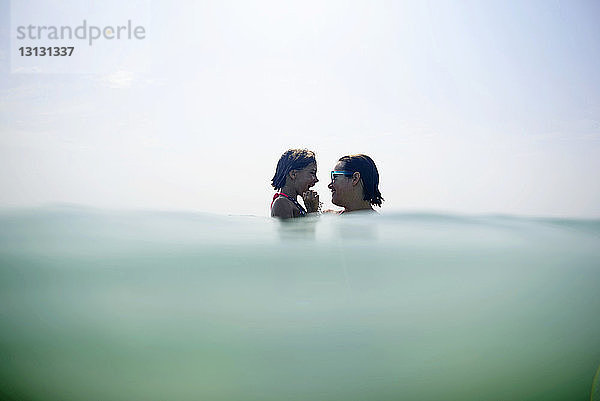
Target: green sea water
(100, 305)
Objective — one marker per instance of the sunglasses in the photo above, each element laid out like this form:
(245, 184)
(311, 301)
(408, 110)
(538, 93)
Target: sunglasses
(341, 172)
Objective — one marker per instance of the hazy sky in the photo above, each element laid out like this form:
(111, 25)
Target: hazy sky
(466, 106)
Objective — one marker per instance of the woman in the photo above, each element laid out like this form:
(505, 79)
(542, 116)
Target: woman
(295, 174)
(355, 184)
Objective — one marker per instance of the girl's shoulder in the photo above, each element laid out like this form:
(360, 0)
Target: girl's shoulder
(282, 201)
(282, 207)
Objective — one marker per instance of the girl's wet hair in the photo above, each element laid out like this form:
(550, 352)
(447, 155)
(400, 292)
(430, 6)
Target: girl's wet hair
(369, 175)
(293, 159)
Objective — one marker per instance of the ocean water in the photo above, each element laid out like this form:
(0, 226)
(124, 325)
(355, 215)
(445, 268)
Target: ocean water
(179, 306)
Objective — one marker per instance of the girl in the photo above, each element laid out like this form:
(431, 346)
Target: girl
(295, 174)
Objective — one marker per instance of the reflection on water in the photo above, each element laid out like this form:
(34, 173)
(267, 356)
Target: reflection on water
(155, 306)
(596, 386)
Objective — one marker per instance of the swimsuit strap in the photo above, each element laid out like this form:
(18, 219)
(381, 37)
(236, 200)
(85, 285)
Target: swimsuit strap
(294, 201)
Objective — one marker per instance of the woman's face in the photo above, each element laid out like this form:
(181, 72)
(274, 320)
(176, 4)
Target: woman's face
(306, 178)
(340, 186)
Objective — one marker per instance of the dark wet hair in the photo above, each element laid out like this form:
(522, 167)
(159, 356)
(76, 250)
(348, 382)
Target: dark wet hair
(369, 175)
(293, 159)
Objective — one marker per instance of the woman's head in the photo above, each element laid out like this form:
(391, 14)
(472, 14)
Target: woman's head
(352, 174)
(299, 165)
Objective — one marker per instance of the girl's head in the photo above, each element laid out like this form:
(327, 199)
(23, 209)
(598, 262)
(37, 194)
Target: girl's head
(355, 173)
(297, 167)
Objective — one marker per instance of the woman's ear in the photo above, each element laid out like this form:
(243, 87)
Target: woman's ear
(355, 178)
(292, 174)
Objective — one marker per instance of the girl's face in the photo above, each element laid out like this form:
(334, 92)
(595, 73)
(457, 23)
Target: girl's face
(341, 187)
(306, 178)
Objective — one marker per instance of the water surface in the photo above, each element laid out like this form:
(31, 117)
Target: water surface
(182, 306)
